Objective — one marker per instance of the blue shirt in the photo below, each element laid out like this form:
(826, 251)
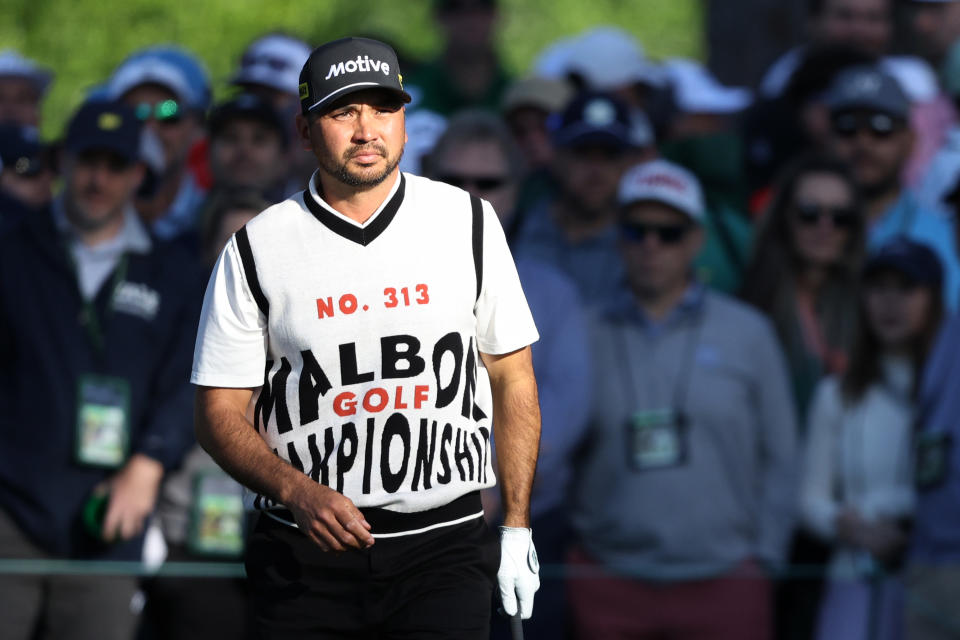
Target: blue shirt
(593, 264)
(936, 528)
(910, 218)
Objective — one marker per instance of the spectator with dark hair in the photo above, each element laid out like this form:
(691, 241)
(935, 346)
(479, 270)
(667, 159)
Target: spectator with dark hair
(574, 229)
(169, 91)
(23, 84)
(936, 24)
(858, 488)
(683, 496)
(468, 72)
(96, 327)
(805, 269)
(26, 173)
(248, 144)
(870, 131)
(478, 154)
(224, 213)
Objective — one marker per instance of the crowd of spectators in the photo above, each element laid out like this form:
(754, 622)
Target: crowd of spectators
(746, 300)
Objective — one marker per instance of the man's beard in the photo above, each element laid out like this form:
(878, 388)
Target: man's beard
(338, 168)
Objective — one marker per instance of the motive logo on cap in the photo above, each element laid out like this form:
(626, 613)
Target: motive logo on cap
(344, 66)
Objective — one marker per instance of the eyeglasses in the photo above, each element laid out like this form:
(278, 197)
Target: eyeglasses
(666, 233)
(481, 183)
(809, 214)
(880, 125)
(167, 111)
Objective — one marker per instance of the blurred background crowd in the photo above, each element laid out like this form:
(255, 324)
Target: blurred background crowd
(744, 273)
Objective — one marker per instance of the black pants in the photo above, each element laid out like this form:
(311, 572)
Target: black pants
(432, 585)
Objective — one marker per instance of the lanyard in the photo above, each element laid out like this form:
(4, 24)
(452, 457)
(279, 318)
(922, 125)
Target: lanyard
(682, 387)
(89, 318)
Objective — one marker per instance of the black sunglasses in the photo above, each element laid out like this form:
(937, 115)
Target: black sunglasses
(880, 125)
(167, 111)
(481, 183)
(666, 233)
(809, 214)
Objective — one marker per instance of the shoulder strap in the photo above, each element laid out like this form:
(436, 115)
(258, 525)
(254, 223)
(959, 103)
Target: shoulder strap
(250, 271)
(477, 209)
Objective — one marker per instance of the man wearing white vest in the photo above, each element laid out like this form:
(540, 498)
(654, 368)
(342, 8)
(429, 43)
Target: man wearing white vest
(381, 317)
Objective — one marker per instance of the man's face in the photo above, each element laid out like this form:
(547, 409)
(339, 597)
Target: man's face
(659, 244)
(589, 176)
(247, 153)
(177, 132)
(937, 26)
(359, 140)
(99, 184)
(863, 24)
(529, 128)
(19, 101)
(875, 146)
(482, 169)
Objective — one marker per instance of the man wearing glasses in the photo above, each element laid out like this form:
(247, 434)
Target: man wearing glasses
(683, 499)
(870, 130)
(168, 90)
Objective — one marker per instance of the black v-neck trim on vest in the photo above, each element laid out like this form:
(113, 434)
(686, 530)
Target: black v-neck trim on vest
(361, 235)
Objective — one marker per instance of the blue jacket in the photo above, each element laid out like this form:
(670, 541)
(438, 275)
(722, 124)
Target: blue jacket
(44, 350)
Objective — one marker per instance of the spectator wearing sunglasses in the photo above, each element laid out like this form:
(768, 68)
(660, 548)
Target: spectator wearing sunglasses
(684, 495)
(478, 153)
(858, 486)
(168, 90)
(574, 228)
(870, 131)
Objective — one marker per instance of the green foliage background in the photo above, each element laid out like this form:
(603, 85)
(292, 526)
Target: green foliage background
(83, 40)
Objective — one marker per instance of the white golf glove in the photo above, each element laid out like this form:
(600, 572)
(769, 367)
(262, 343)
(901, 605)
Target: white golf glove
(519, 568)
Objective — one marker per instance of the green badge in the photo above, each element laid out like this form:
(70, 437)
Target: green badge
(103, 421)
(304, 91)
(656, 439)
(216, 519)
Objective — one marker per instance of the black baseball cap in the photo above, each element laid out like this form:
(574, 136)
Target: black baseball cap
(344, 66)
(105, 126)
(21, 150)
(248, 106)
(594, 118)
(868, 88)
(913, 259)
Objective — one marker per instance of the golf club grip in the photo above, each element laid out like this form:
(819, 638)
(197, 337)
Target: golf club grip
(516, 626)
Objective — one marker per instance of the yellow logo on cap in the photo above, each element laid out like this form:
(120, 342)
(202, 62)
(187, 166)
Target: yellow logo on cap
(400, 79)
(304, 91)
(109, 121)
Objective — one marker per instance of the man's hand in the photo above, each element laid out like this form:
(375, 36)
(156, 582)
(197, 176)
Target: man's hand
(518, 577)
(329, 518)
(133, 494)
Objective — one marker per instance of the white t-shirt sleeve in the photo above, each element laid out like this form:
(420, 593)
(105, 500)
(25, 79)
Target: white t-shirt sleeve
(231, 347)
(504, 322)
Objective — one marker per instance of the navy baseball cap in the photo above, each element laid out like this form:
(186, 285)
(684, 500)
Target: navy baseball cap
(870, 89)
(916, 261)
(344, 66)
(246, 106)
(594, 118)
(21, 150)
(105, 126)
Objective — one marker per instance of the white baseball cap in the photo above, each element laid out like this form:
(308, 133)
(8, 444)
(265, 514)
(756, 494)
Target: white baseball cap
(14, 65)
(606, 57)
(695, 90)
(273, 61)
(666, 183)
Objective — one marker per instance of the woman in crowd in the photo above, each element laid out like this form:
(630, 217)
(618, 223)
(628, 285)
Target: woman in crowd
(805, 268)
(857, 490)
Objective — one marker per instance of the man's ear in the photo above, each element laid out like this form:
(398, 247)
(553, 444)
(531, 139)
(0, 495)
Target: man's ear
(303, 129)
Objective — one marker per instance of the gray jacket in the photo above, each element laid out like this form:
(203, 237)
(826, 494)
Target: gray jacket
(734, 497)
